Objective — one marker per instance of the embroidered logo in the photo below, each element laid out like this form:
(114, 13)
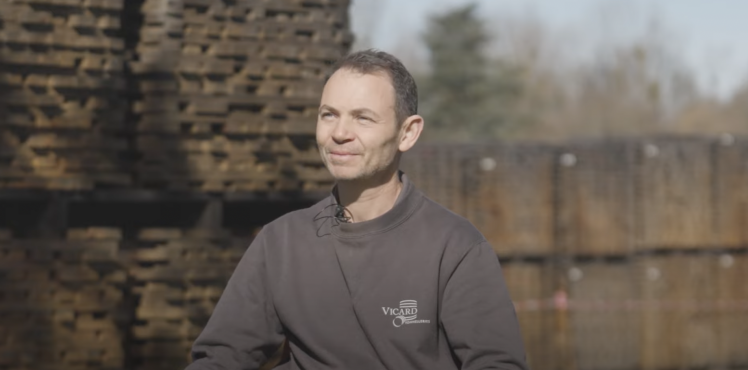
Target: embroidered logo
(405, 314)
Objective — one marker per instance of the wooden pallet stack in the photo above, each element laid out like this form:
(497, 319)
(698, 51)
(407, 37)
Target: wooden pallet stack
(732, 234)
(732, 321)
(605, 322)
(679, 321)
(673, 187)
(595, 206)
(61, 95)
(438, 171)
(178, 276)
(731, 197)
(230, 90)
(61, 301)
(643, 244)
(509, 196)
(530, 284)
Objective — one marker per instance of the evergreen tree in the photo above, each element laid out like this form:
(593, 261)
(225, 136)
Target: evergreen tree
(466, 95)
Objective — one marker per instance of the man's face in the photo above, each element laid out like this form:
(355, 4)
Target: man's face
(357, 132)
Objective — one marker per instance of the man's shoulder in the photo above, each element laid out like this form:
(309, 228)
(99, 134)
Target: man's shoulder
(299, 218)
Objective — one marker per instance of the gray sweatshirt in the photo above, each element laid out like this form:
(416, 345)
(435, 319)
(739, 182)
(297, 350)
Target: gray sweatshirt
(416, 288)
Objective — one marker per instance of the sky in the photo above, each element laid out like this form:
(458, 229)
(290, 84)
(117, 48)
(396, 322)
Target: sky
(712, 35)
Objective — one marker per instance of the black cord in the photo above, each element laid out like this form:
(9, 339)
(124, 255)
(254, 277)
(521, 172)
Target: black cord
(341, 215)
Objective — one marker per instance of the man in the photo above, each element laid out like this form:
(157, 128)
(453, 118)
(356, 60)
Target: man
(376, 276)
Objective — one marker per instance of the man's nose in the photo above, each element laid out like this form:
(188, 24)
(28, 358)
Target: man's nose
(341, 132)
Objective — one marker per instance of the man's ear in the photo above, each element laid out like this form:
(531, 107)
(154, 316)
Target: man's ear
(410, 132)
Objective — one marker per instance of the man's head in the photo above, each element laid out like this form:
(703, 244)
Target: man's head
(367, 115)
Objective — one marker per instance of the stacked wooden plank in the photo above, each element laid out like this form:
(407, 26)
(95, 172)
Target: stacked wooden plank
(230, 90)
(178, 276)
(61, 88)
(61, 302)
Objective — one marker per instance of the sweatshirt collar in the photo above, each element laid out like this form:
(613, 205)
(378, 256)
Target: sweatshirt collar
(407, 201)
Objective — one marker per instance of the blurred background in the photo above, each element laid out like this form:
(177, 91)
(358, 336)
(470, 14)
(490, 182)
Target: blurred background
(512, 69)
(599, 145)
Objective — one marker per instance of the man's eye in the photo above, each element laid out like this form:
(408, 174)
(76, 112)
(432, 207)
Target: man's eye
(363, 118)
(326, 115)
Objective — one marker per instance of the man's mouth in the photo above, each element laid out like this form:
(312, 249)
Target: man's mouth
(341, 155)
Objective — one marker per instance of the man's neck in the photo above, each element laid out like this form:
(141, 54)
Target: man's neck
(369, 199)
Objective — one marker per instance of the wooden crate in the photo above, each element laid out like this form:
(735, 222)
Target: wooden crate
(674, 207)
(731, 182)
(436, 169)
(605, 323)
(531, 287)
(595, 199)
(509, 195)
(731, 295)
(678, 323)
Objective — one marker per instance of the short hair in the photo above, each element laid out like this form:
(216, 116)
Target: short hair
(372, 61)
